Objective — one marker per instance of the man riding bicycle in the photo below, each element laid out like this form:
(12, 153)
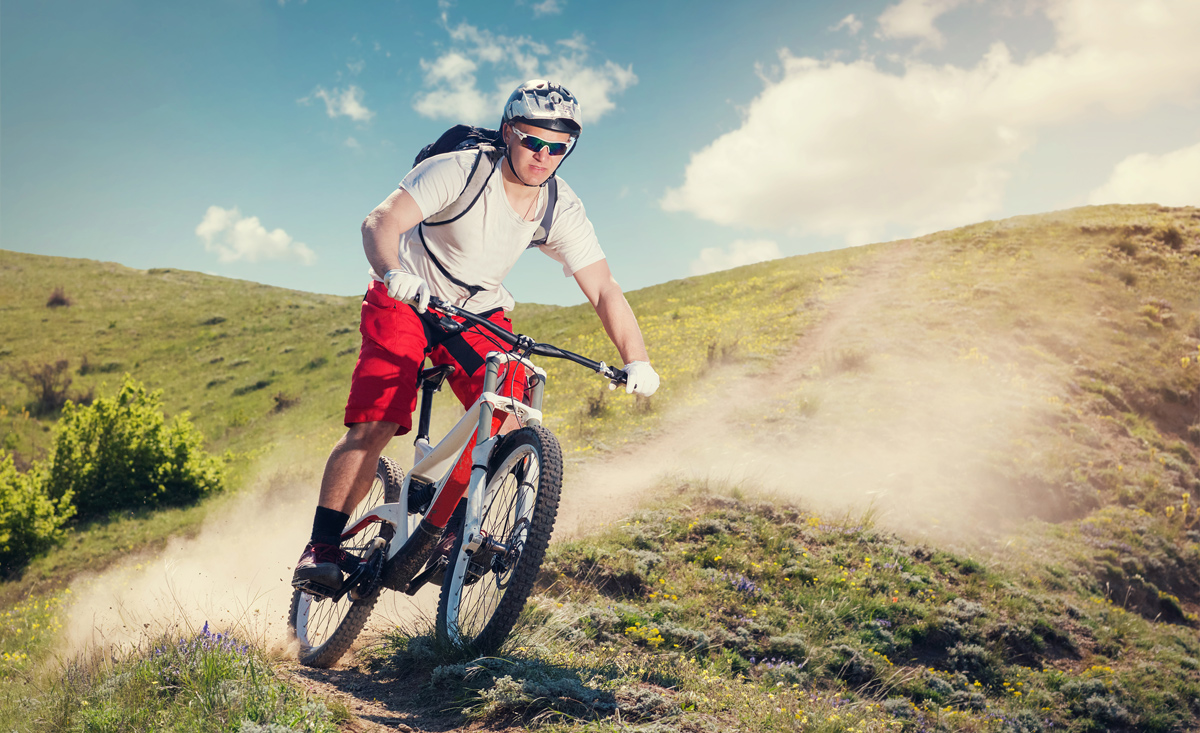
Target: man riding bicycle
(462, 261)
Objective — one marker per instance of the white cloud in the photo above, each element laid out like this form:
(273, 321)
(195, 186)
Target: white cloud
(454, 92)
(850, 149)
(1170, 179)
(356, 67)
(548, 7)
(741, 252)
(850, 23)
(594, 86)
(452, 68)
(458, 97)
(914, 19)
(353, 144)
(235, 238)
(345, 102)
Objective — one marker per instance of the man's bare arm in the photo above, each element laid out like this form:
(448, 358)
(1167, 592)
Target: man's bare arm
(382, 228)
(605, 295)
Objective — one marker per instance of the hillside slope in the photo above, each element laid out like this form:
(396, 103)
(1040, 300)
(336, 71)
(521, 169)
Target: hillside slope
(938, 484)
(264, 371)
(234, 353)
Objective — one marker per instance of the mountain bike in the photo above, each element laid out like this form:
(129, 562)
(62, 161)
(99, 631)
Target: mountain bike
(483, 539)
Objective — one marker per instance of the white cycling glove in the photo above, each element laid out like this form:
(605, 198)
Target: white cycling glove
(407, 288)
(640, 378)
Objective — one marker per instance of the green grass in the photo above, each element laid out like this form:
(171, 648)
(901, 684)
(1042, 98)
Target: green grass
(224, 349)
(745, 614)
(190, 681)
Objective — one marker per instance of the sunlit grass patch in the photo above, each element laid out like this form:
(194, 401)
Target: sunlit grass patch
(769, 615)
(200, 681)
(28, 630)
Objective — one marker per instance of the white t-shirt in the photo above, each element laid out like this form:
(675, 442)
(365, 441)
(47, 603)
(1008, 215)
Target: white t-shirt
(483, 245)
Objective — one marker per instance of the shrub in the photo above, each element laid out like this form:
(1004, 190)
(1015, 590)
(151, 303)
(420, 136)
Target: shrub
(49, 384)
(1126, 246)
(974, 661)
(202, 682)
(1170, 236)
(58, 298)
(121, 453)
(851, 665)
(248, 388)
(30, 521)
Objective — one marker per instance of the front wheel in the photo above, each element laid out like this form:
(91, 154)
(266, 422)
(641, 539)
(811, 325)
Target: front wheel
(326, 629)
(483, 593)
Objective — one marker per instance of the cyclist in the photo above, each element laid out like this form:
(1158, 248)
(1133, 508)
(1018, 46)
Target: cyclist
(463, 262)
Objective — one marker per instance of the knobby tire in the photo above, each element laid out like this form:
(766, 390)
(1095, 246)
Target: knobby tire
(480, 615)
(320, 647)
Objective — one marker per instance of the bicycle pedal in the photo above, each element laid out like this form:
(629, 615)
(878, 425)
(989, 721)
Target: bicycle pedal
(316, 590)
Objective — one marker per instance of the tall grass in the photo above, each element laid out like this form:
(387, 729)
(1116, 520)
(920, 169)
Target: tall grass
(197, 681)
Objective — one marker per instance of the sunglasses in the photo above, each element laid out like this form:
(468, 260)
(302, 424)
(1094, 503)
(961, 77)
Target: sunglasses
(534, 143)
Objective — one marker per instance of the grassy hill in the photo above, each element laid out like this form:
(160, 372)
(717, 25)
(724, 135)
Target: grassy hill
(1034, 382)
(255, 364)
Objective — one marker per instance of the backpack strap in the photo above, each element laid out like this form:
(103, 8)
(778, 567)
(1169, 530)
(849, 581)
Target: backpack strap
(472, 289)
(477, 181)
(543, 230)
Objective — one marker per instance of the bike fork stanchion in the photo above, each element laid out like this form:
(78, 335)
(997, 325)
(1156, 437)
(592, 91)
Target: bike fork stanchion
(484, 442)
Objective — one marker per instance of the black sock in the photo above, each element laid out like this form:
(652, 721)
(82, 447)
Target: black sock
(328, 525)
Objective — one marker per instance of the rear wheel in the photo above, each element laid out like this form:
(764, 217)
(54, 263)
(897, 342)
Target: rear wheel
(483, 593)
(326, 629)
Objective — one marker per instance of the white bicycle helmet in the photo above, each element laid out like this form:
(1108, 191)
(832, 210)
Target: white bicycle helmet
(546, 105)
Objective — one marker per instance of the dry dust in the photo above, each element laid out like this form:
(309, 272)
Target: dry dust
(902, 437)
(235, 574)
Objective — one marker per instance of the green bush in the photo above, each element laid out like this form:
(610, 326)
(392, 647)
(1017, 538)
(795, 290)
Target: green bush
(122, 453)
(30, 521)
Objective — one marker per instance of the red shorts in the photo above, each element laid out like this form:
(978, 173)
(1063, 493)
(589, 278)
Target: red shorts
(395, 343)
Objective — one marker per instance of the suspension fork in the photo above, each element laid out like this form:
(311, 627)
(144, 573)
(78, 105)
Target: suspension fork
(489, 423)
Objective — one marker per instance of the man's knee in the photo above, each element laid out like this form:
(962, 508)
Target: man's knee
(369, 435)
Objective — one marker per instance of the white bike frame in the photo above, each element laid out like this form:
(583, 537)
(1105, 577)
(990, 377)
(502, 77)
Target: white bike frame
(441, 459)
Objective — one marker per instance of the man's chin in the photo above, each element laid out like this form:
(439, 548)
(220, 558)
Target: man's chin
(538, 179)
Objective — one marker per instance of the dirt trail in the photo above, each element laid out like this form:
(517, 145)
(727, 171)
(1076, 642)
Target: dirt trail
(725, 437)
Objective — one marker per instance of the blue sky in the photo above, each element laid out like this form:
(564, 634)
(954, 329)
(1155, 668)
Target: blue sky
(716, 134)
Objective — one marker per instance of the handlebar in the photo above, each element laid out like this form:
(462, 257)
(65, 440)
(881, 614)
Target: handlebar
(524, 343)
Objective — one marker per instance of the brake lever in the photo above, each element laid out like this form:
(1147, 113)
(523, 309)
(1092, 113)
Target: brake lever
(446, 323)
(615, 376)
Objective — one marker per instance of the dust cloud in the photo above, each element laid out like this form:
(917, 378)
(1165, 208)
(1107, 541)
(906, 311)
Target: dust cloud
(912, 444)
(859, 418)
(234, 574)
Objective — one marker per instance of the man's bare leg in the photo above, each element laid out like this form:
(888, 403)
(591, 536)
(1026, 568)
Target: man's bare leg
(351, 465)
(347, 479)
